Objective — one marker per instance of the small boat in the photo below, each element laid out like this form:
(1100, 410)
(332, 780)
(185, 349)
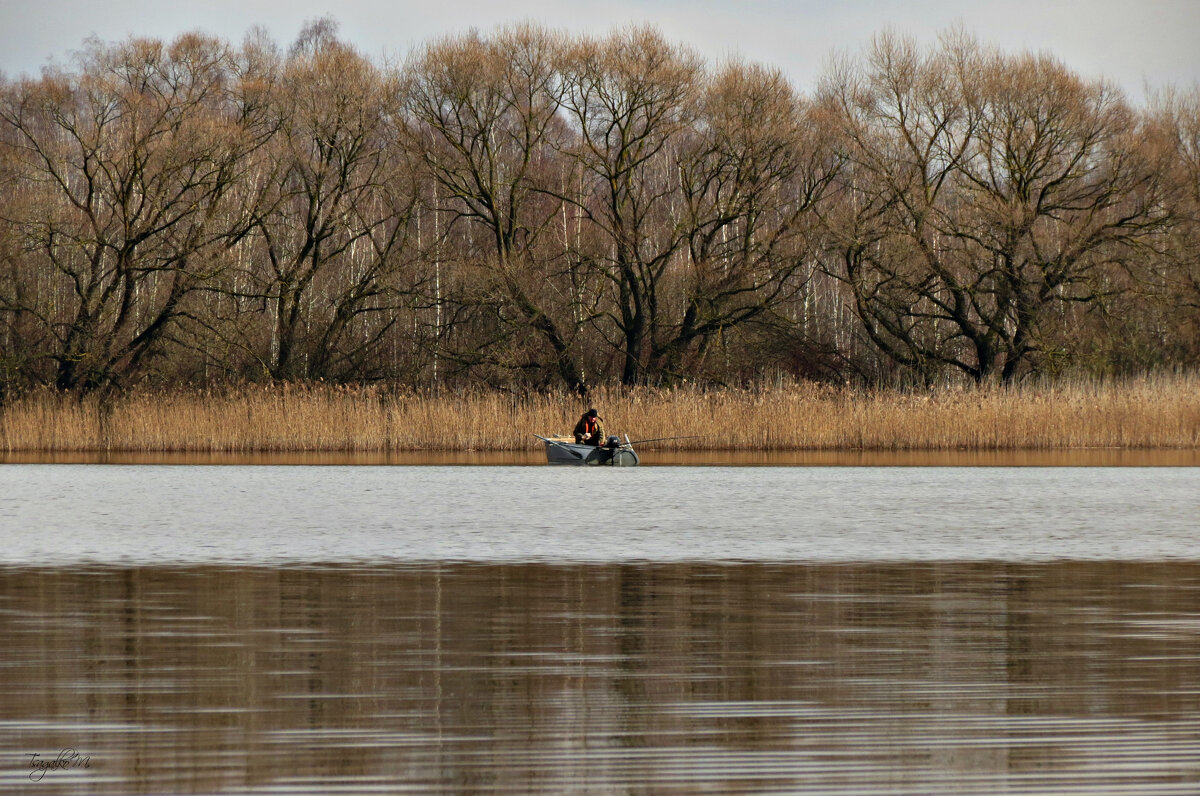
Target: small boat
(613, 453)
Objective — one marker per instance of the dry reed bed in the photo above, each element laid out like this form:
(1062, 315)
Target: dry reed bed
(1157, 412)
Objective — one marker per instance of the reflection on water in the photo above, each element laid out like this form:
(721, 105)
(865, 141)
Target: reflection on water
(914, 678)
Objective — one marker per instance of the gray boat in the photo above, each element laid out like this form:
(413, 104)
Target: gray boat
(613, 453)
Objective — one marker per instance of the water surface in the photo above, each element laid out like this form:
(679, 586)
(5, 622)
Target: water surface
(53, 514)
(952, 677)
(842, 630)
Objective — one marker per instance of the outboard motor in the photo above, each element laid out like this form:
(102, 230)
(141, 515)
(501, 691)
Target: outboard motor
(619, 454)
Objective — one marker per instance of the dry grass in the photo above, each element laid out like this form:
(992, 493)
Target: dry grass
(1157, 412)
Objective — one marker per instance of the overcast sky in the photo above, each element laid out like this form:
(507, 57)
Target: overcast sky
(1133, 43)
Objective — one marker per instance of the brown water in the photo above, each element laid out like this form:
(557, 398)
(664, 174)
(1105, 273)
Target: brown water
(919, 678)
(465, 629)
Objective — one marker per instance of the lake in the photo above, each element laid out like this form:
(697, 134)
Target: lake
(505, 629)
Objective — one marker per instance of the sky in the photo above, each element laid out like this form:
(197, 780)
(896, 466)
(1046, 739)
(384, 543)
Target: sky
(1136, 44)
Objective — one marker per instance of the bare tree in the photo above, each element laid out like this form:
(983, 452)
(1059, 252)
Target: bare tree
(1176, 119)
(126, 164)
(483, 117)
(750, 178)
(631, 97)
(522, 209)
(985, 190)
(325, 230)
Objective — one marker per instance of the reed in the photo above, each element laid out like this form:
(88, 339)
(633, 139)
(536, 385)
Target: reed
(1152, 412)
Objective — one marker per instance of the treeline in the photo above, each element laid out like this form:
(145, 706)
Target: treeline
(527, 209)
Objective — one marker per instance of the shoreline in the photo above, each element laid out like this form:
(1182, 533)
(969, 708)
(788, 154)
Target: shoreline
(1080, 457)
(1160, 413)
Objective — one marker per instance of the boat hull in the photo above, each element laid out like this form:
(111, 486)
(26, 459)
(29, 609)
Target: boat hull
(589, 455)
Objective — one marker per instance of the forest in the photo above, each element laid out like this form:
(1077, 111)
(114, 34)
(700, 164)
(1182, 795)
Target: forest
(528, 210)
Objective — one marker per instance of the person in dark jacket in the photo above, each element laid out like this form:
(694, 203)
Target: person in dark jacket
(590, 429)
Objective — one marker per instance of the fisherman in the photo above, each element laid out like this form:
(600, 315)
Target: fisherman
(590, 429)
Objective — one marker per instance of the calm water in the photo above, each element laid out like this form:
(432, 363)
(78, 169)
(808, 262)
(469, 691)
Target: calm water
(843, 630)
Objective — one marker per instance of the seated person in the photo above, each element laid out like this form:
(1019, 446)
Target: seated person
(590, 429)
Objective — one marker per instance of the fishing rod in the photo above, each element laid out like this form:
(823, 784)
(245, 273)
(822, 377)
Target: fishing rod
(661, 439)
